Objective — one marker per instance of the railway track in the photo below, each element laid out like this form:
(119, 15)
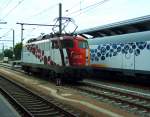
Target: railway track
(131, 102)
(31, 104)
(8, 66)
(136, 103)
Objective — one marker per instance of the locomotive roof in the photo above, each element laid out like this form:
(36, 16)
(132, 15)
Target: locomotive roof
(47, 38)
(51, 37)
(123, 27)
(126, 38)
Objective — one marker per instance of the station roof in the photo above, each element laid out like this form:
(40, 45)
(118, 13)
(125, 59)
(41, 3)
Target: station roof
(123, 27)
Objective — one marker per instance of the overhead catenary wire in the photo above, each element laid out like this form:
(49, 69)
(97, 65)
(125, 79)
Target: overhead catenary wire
(2, 3)
(75, 5)
(41, 12)
(9, 1)
(44, 10)
(28, 35)
(11, 10)
(6, 34)
(87, 8)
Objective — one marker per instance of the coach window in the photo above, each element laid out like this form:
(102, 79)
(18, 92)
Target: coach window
(55, 45)
(46, 46)
(42, 46)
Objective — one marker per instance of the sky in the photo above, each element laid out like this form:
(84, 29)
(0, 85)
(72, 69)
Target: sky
(85, 13)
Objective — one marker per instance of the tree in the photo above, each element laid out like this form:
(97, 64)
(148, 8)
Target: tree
(17, 51)
(8, 53)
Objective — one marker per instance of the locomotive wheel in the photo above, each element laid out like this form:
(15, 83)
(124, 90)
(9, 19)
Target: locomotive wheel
(28, 71)
(52, 75)
(58, 80)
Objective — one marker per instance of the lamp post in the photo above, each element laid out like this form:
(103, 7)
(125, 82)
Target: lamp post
(13, 43)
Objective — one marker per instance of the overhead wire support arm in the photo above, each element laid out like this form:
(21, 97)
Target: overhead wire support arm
(23, 29)
(35, 24)
(7, 40)
(30, 24)
(3, 22)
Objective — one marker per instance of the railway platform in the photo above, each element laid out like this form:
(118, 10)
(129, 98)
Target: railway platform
(6, 110)
(66, 96)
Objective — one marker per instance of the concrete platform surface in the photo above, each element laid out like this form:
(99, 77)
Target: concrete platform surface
(6, 109)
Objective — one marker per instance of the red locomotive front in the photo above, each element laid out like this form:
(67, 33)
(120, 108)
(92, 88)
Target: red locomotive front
(79, 53)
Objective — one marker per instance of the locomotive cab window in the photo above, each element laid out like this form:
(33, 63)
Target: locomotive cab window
(64, 44)
(67, 43)
(82, 44)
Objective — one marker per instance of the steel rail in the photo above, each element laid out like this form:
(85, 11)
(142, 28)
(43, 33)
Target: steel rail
(31, 104)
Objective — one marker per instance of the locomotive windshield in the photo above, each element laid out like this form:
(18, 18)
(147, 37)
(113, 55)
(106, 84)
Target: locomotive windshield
(64, 44)
(83, 44)
(67, 43)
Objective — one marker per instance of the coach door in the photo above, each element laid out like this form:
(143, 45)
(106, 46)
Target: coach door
(56, 53)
